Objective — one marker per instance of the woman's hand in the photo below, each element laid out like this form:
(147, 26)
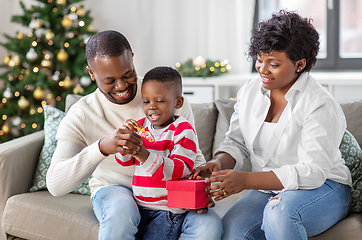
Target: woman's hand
(226, 183)
(121, 140)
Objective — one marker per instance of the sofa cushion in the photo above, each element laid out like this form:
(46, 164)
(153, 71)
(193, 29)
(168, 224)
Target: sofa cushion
(225, 109)
(205, 115)
(39, 215)
(353, 112)
(352, 154)
(52, 118)
(348, 228)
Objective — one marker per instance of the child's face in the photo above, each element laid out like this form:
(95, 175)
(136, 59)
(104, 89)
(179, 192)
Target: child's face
(160, 101)
(116, 77)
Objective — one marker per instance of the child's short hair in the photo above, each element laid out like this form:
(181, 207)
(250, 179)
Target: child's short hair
(166, 75)
(107, 43)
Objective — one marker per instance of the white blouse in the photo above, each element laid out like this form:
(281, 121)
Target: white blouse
(303, 150)
(263, 137)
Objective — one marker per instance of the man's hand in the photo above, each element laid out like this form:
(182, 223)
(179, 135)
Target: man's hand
(121, 140)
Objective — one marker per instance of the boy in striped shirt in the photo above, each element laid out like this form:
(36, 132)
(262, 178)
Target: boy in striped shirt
(167, 154)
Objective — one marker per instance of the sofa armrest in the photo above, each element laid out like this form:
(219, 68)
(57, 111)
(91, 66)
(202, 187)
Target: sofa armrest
(18, 161)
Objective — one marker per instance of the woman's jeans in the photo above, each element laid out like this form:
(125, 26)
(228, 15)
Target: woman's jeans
(296, 214)
(119, 217)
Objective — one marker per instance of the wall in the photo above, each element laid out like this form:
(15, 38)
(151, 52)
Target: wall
(164, 32)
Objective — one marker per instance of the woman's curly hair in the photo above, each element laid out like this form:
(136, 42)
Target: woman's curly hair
(288, 32)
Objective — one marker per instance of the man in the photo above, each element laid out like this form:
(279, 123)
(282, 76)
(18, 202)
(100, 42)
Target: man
(89, 136)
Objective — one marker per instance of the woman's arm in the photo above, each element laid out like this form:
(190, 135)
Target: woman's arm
(228, 182)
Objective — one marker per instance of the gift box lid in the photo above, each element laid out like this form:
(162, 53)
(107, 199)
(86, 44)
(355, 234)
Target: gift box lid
(186, 185)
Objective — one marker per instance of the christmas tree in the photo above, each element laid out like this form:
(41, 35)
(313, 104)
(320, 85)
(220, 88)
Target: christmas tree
(43, 65)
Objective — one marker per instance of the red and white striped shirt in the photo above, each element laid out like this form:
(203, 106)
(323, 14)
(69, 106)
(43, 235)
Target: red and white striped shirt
(172, 156)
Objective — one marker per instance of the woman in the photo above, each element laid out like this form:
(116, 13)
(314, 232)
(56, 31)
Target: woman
(290, 128)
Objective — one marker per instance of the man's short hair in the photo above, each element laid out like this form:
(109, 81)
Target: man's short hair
(107, 43)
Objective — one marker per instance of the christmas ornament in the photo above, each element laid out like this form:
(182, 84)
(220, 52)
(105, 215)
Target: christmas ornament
(38, 93)
(23, 102)
(32, 23)
(80, 12)
(66, 22)
(85, 81)
(17, 121)
(5, 128)
(50, 96)
(62, 55)
(60, 2)
(20, 35)
(78, 89)
(49, 35)
(6, 59)
(67, 82)
(90, 28)
(7, 93)
(73, 16)
(55, 76)
(86, 38)
(32, 55)
(46, 63)
(14, 61)
(38, 23)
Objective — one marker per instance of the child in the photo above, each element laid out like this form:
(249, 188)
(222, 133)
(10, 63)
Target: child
(168, 153)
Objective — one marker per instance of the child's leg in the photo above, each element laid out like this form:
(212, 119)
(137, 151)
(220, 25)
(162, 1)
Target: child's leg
(201, 226)
(159, 225)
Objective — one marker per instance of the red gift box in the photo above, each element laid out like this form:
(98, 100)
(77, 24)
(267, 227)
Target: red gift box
(187, 194)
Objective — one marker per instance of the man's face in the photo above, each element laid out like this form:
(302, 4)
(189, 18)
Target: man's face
(116, 77)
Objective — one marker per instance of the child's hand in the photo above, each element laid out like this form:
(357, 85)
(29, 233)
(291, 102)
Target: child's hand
(130, 124)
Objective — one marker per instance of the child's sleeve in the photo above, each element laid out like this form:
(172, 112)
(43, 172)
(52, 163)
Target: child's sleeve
(124, 159)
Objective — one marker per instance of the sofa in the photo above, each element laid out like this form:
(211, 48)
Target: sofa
(39, 215)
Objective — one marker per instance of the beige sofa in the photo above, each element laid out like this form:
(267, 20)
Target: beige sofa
(39, 215)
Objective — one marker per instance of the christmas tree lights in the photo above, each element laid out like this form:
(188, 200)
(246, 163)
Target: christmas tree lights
(43, 65)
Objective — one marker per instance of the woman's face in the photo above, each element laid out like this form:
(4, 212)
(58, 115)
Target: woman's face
(277, 70)
(116, 77)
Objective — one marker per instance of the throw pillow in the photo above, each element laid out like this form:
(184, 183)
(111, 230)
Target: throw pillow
(205, 122)
(352, 154)
(52, 118)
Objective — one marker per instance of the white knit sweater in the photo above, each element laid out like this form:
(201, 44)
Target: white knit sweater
(77, 155)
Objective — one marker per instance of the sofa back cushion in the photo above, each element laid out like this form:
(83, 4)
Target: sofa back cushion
(205, 115)
(353, 112)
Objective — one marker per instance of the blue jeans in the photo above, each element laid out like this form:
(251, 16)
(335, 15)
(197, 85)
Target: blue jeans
(159, 225)
(119, 217)
(295, 214)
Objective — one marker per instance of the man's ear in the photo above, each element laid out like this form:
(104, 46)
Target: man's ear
(179, 102)
(91, 74)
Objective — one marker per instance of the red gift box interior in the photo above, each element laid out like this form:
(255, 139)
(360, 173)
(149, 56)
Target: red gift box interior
(187, 194)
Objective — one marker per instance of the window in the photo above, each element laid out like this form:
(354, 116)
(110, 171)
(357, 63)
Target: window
(339, 23)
